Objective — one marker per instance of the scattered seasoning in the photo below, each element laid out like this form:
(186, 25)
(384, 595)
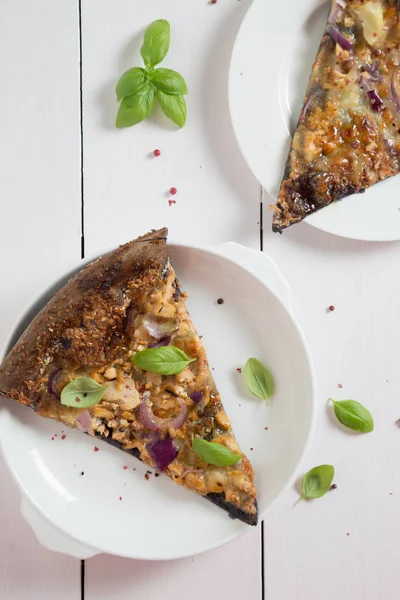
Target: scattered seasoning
(251, 448)
(347, 534)
(239, 370)
(156, 474)
(125, 467)
(120, 497)
(333, 486)
(173, 191)
(146, 476)
(397, 423)
(241, 73)
(339, 386)
(149, 472)
(240, 405)
(96, 449)
(55, 435)
(82, 473)
(134, 469)
(390, 493)
(266, 428)
(52, 438)
(63, 437)
(170, 202)
(212, 369)
(220, 301)
(157, 152)
(331, 308)
(213, 1)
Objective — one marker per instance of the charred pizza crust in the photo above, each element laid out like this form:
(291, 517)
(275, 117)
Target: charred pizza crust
(92, 327)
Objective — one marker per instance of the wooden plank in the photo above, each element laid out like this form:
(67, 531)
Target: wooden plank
(40, 194)
(126, 193)
(346, 544)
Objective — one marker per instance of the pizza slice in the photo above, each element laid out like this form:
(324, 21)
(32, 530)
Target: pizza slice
(348, 134)
(115, 354)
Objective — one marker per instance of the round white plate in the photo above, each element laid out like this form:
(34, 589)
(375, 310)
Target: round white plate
(117, 510)
(270, 68)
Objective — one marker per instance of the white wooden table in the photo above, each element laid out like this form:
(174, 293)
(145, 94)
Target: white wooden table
(344, 546)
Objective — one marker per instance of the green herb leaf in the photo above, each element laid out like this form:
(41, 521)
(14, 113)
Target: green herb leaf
(353, 415)
(167, 360)
(317, 481)
(174, 107)
(213, 453)
(258, 379)
(134, 109)
(131, 82)
(156, 42)
(83, 392)
(169, 81)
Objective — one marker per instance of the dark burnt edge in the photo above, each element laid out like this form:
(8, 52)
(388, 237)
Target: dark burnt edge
(81, 128)
(231, 509)
(215, 498)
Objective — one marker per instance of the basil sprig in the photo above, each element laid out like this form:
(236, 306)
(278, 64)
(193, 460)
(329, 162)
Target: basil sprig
(83, 392)
(317, 482)
(353, 415)
(138, 88)
(258, 379)
(167, 360)
(213, 453)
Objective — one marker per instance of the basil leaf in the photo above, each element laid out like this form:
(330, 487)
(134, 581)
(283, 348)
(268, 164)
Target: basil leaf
(353, 415)
(156, 42)
(131, 82)
(169, 81)
(174, 107)
(134, 109)
(258, 379)
(83, 392)
(317, 481)
(167, 360)
(213, 453)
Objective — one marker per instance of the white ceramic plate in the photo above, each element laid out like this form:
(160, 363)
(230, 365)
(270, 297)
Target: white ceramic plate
(156, 519)
(270, 67)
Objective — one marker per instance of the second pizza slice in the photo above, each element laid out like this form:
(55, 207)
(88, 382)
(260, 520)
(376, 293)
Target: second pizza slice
(348, 134)
(116, 355)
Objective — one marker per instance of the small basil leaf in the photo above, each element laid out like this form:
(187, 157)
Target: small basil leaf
(169, 81)
(134, 109)
(83, 392)
(174, 107)
(131, 82)
(213, 453)
(317, 481)
(156, 42)
(258, 379)
(167, 360)
(353, 415)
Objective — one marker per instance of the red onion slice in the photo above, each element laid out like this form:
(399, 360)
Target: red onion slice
(376, 101)
(52, 383)
(336, 4)
(84, 422)
(163, 452)
(163, 342)
(395, 87)
(311, 98)
(338, 38)
(159, 327)
(197, 396)
(149, 419)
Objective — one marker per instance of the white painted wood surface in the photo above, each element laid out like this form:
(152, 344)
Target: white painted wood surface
(345, 545)
(40, 229)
